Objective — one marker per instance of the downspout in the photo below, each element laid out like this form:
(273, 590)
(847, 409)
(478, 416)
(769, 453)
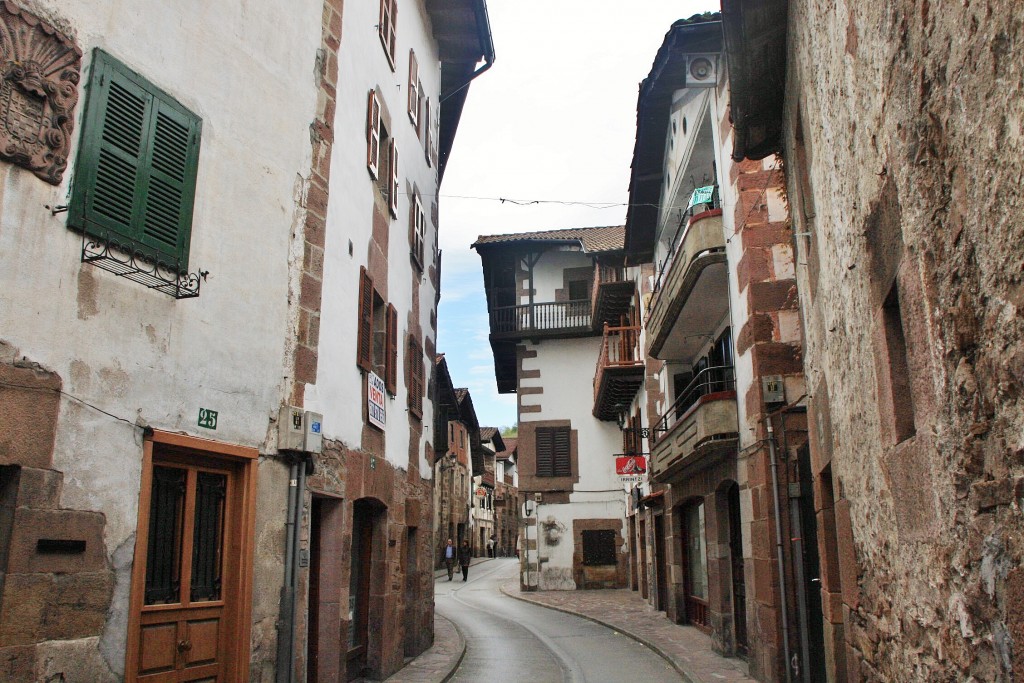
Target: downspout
(483, 29)
(778, 547)
(286, 620)
(286, 607)
(796, 519)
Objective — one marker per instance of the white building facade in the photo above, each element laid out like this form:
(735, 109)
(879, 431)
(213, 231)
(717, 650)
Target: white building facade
(546, 344)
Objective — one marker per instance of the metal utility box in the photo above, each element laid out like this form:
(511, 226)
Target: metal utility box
(774, 389)
(312, 429)
(290, 430)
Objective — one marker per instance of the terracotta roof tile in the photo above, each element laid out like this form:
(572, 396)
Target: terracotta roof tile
(593, 240)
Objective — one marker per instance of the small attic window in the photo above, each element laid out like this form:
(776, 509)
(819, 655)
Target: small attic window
(684, 125)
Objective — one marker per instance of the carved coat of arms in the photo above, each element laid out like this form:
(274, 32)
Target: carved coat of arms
(39, 73)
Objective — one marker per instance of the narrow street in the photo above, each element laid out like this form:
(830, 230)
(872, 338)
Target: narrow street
(510, 640)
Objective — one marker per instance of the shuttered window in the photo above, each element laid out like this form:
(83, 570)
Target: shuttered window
(364, 342)
(414, 364)
(393, 187)
(391, 362)
(414, 91)
(553, 452)
(386, 28)
(135, 178)
(428, 134)
(373, 134)
(417, 230)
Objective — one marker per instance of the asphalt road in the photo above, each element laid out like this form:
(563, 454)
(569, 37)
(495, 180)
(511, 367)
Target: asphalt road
(510, 640)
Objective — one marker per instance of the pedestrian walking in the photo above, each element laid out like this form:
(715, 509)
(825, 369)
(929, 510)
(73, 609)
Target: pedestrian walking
(449, 559)
(490, 546)
(465, 555)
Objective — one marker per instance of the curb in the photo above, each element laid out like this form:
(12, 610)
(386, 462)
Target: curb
(688, 676)
(455, 661)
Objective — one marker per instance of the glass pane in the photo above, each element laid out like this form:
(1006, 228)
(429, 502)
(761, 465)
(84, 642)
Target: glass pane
(696, 558)
(208, 537)
(163, 552)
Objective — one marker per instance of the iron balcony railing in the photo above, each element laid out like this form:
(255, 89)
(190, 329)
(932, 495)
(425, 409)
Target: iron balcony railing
(707, 381)
(567, 315)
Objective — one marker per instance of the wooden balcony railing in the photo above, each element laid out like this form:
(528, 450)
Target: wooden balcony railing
(552, 317)
(620, 348)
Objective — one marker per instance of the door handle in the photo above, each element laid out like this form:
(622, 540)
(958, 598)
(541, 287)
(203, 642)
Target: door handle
(184, 646)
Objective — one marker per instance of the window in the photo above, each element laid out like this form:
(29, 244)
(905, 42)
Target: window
(579, 290)
(902, 415)
(136, 173)
(383, 170)
(414, 91)
(392, 193)
(377, 334)
(599, 547)
(428, 135)
(553, 457)
(417, 230)
(373, 134)
(386, 29)
(415, 369)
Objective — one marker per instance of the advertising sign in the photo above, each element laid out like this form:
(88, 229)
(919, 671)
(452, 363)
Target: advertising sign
(630, 465)
(375, 399)
(701, 195)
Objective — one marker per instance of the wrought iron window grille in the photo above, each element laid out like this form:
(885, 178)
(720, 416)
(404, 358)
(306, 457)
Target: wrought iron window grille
(131, 260)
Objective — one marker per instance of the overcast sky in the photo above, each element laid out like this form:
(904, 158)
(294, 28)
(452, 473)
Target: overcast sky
(554, 120)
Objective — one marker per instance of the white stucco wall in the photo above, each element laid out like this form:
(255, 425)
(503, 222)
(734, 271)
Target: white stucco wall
(362, 66)
(547, 272)
(247, 72)
(567, 370)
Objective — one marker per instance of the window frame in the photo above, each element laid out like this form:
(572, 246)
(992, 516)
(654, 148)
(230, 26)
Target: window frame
(373, 134)
(607, 550)
(387, 29)
(414, 90)
(417, 230)
(365, 357)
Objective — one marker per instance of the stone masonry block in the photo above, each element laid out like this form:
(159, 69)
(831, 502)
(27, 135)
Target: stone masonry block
(38, 607)
(768, 297)
(29, 405)
(39, 489)
(59, 525)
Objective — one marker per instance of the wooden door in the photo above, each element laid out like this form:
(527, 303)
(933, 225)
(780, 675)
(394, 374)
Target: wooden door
(185, 620)
(359, 587)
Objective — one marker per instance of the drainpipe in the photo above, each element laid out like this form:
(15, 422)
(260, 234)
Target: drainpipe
(286, 618)
(778, 547)
(796, 519)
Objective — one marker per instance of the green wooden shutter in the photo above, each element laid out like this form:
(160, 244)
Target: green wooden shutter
(135, 176)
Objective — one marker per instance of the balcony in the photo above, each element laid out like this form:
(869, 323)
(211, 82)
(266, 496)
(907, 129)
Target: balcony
(699, 429)
(620, 371)
(612, 295)
(555, 319)
(692, 290)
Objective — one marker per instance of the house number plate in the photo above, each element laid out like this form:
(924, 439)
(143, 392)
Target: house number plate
(207, 418)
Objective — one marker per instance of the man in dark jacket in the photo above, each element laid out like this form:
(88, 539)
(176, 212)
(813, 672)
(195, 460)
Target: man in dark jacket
(465, 554)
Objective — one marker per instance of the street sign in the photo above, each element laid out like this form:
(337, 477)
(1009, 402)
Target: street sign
(630, 465)
(375, 394)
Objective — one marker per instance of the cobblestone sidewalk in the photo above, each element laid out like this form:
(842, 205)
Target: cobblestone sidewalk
(685, 647)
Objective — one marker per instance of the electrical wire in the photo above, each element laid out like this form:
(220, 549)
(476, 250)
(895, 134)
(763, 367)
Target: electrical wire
(12, 385)
(561, 202)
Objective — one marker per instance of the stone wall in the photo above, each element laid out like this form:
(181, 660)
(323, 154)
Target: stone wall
(904, 163)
